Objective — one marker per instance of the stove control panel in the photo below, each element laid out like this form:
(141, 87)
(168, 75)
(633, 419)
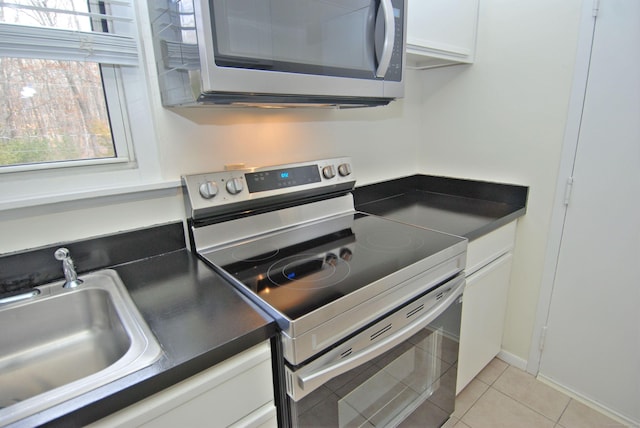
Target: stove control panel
(223, 191)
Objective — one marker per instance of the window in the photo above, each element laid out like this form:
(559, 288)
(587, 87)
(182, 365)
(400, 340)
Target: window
(60, 82)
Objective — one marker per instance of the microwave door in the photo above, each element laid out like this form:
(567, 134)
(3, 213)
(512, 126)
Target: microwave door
(314, 37)
(320, 52)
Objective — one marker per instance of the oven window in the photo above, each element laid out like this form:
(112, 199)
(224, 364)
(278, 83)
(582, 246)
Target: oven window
(412, 384)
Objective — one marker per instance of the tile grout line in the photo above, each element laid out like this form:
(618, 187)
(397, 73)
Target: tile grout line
(474, 401)
(563, 411)
(525, 405)
(555, 422)
(489, 386)
(500, 374)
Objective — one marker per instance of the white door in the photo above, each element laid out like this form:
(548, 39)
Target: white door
(592, 343)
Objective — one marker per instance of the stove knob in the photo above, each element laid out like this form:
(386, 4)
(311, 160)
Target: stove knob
(329, 172)
(208, 189)
(234, 186)
(331, 259)
(346, 254)
(344, 169)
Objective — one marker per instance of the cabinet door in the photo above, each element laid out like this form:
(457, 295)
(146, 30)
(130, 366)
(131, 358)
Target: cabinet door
(441, 32)
(483, 309)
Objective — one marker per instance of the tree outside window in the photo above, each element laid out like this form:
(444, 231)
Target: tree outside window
(54, 107)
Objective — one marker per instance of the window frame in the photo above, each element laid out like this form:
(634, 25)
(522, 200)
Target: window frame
(136, 165)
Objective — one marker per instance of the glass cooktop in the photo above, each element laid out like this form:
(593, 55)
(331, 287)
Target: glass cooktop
(301, 269)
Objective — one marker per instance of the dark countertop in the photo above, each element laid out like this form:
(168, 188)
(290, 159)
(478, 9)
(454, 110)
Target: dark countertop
(460, 207)
(197, 317)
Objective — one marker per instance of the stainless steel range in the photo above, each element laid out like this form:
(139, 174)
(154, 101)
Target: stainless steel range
(369, 308)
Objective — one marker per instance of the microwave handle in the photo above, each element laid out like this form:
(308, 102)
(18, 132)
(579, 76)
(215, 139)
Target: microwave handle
(317, 376)
(389, 38)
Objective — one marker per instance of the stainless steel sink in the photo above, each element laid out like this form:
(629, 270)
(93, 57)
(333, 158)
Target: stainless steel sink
(66, 342)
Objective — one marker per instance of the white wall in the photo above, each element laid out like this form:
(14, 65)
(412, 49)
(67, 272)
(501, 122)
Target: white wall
(42, 225)
(503, 119)
(381, 140)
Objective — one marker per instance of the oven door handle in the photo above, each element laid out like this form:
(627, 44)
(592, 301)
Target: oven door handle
(310, 377)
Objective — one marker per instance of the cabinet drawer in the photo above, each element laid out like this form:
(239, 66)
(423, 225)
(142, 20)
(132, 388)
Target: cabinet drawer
(264, 417)
(489, 247)
(219, 396)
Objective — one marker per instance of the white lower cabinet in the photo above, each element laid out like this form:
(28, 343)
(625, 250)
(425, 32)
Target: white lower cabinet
(235, 393)
(485, 301)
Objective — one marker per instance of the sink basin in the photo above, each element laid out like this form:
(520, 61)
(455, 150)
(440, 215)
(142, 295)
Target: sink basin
(65, 342)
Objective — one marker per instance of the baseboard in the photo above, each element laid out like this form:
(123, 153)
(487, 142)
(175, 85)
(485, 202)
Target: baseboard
(513, 360)
(588, 402)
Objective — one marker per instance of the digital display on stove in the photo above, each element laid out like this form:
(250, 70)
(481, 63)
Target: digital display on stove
(282, 178)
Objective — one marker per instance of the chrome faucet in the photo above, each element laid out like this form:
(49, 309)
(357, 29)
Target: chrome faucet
(69, 269)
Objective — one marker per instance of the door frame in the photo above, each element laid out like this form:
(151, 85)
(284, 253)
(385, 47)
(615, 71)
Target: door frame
(565, 171)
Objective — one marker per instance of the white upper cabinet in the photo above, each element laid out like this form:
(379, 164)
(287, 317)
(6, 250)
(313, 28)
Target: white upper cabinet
(441, 32)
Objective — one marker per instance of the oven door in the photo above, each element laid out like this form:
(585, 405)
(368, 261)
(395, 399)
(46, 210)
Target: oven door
(400, 370)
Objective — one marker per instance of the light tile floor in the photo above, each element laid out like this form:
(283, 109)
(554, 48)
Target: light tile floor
(504, 396)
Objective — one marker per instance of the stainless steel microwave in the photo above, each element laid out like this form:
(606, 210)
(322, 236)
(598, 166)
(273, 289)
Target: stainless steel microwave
(279, 52)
